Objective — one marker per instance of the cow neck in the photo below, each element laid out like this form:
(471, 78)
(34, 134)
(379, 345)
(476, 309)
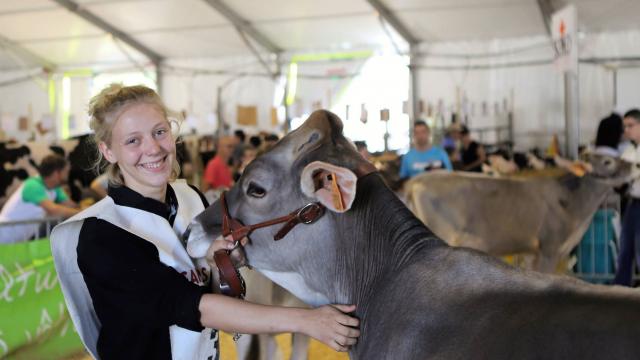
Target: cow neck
(389, 236)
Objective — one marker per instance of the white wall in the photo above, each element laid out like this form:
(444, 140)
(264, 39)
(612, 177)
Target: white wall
(535, 92)
(628, 90)
(27, 98)
(197, 93)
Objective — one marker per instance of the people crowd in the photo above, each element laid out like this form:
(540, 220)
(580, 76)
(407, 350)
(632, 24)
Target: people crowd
(139, 160)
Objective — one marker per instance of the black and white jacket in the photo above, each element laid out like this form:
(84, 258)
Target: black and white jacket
(131, 288)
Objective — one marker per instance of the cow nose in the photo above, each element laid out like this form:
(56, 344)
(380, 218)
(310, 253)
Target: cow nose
(196, 240)
(185, 235)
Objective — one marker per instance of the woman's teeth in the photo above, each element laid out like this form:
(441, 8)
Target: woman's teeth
(152, 165)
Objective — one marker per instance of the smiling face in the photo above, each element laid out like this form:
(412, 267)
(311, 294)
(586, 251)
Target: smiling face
(143, 147)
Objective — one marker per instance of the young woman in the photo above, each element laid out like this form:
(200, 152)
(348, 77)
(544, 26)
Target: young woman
(131, 289)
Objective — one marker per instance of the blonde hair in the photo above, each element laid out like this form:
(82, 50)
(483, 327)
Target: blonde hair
(106, 107)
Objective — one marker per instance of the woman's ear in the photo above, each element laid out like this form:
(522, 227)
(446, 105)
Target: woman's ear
(333, 186)
(106, 152)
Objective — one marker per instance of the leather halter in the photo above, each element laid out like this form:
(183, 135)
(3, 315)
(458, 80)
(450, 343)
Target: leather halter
(231, 282)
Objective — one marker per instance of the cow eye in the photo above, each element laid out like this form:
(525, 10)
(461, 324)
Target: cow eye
(256, 191)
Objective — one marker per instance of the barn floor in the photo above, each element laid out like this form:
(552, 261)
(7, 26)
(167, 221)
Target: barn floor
(317, 351)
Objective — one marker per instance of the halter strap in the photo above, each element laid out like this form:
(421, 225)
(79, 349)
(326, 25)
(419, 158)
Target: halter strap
(231, 282)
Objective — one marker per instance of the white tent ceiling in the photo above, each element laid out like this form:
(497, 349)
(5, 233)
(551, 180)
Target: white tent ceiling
(193, 29)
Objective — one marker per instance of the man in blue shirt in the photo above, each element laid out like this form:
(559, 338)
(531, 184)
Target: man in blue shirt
(423, 156)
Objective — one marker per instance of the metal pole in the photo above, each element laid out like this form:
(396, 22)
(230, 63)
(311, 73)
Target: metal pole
(219, 112)
(414, 90)
(159, 78)
(572, 115)
(287, 110)
(615, 88)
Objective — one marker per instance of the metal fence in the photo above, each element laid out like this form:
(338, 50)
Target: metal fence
(42, 230)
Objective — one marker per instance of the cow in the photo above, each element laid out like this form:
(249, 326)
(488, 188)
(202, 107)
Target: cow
(416, 296)
(541, 215)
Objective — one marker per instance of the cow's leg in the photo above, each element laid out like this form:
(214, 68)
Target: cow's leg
(299, 346)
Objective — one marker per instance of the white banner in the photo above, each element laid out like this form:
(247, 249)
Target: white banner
(564, 34)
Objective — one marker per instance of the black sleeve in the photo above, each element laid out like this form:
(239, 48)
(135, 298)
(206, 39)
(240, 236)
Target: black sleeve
(129, 285)
(204, 200)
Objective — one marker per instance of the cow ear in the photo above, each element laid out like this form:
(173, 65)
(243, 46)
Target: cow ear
(333, 186)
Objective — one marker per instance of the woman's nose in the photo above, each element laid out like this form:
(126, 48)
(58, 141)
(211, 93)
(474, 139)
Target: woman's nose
(152, 146)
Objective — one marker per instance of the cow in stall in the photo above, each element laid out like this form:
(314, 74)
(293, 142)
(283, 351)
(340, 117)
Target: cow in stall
(541, 215)
(416, 296)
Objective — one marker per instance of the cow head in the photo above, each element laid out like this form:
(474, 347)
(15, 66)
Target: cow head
(294, 173)
(609, 168)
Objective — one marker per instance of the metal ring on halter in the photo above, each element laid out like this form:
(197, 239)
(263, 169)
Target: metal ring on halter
(306, 209)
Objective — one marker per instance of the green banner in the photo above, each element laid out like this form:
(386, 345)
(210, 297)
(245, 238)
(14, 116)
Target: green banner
(34, 322)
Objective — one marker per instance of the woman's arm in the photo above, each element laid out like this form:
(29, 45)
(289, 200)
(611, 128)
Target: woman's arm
(327, 324)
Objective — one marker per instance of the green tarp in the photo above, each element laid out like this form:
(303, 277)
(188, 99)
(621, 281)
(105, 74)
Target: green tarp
(34, 322)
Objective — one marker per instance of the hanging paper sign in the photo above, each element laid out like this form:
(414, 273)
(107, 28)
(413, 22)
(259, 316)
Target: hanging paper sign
(23, 123)
(274, 116)
(247, 115)
(363, 114)
(564, 31)
(346, 112)
(384, 114)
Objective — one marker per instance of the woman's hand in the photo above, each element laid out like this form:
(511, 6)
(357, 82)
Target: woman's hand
(222, 243)
(330, 325)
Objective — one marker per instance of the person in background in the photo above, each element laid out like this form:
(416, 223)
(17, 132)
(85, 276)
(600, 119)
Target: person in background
(218, 174)
(630, 234)
(361, 146)
(451, 143)
(473, 154)
(99, 186)
(248, 154)
(132, 289)
(609, 135)
(187, 169)
(236, 156)
(37, 198)
(423, 156)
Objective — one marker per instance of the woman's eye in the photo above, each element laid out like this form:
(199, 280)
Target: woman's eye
(256, 191)
(161, 132)
(131, 141)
